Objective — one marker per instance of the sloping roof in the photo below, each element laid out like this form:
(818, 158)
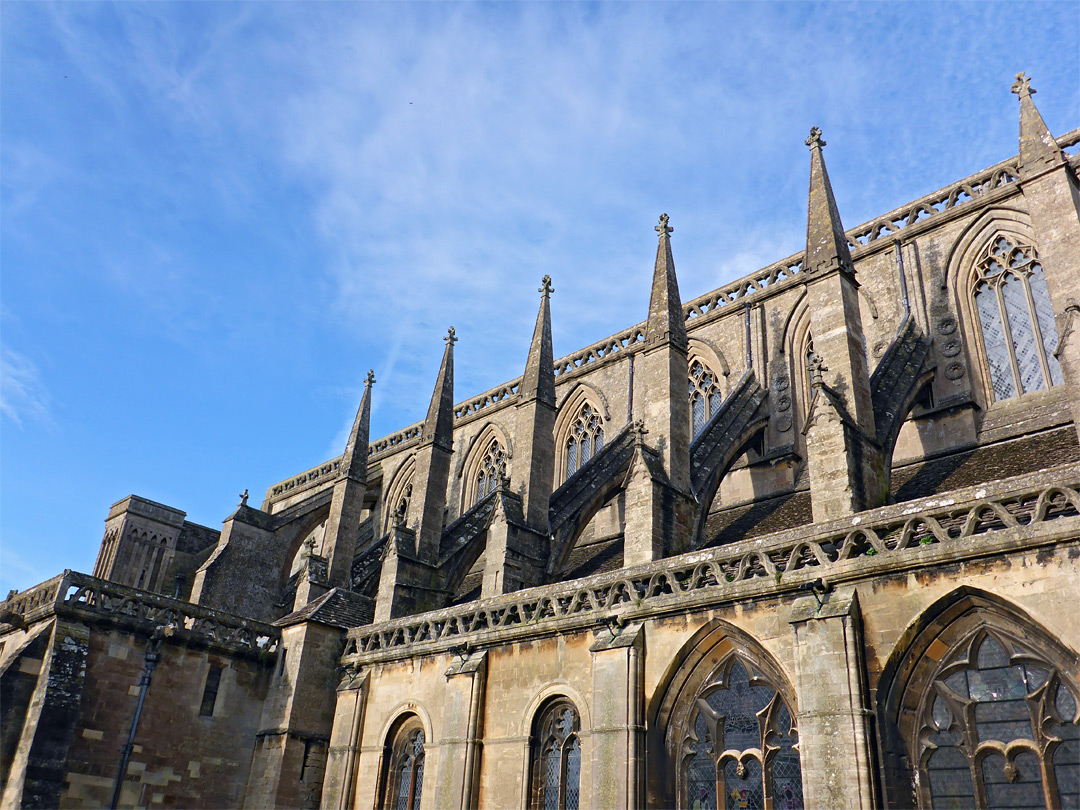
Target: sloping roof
(336, 608)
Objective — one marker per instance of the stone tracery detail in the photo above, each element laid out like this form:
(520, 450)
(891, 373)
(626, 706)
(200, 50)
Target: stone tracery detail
(741, 751)
(585, 439)
(1016, 319)
(556, 758)
(998, 727)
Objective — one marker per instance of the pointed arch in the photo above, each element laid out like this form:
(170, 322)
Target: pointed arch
(398, 493)
(717, 670)
(582, 417)
(707, 372)
(933, 730)
(487, 455)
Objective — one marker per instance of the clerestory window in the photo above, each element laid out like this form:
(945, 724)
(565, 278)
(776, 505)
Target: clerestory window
(998, 728)
(1016, 320)
(741, 753)
(585, 439)
(556, 758)
(705, 396)
(492, 466)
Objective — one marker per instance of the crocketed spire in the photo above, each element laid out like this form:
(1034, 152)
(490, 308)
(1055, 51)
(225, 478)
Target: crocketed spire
(439, 424)
(539, 379)
(1038, 149)
(354, 462)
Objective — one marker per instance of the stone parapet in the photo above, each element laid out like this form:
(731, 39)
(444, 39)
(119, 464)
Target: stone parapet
(98, 601)
(1023, 512)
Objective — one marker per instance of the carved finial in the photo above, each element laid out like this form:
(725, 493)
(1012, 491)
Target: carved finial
(309, 546)
(663, 228)
(545, 286)
(244, 498)
(370, 377)
(1022, 85)
(815, 138)
(817, 369)
(401, 514)
(637, 427)
(502, 483)
(451, 336)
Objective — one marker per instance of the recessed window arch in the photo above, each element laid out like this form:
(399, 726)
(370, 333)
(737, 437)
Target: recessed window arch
(741, 750)
(1015, 318)
(403, 774)
(399, 495)
(555, 757)
(707, 375)
(486, 460)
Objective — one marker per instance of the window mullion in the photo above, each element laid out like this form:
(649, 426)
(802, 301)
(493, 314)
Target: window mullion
(1036, 329)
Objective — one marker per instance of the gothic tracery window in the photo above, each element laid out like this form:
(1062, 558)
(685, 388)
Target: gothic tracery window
(585, 439)
(1016, 319)
(492, 466)
(741, 752)
(705, 396)
(556, 758)
(998, 728)
(405, 774)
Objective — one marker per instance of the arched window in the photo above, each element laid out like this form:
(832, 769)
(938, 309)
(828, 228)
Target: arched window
(741, 750)
(405, 767)
(492, 466)
(1016, 319)
(998, 728)
(585, 439)
(705, 396)
(556, 758)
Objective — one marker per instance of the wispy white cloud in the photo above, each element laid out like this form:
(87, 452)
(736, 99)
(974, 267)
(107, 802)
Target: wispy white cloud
(22, 393)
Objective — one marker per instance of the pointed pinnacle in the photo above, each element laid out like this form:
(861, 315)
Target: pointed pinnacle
(826, 243)
(439, 424)
(354, 460)
(1038, 148)
(539, 378)
(666, 320)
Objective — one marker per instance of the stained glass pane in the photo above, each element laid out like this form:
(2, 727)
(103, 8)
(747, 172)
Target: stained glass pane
(404, 778)
(1044, 314)
(1065, 704)
(598, 440)
(419, 784)
(552, 761)
(1067, 766)
(571, 458)
(1025, 345)
(701, 782)
(951, 787)
(714, 403)
(586, 450)
(746, 792)
(1017, 787)
(573, 774)
(997, 352)
(786, 769)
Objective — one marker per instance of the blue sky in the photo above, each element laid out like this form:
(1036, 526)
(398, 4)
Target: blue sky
(217, 216)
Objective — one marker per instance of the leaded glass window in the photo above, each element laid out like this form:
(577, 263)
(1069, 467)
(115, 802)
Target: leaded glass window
(492, 468)
(998, 728)
(556, 758)
(741, 753)
(705, 396)
(585, 439)
(405, 774)
(1016, 320)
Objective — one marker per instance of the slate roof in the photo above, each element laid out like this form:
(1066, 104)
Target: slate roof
(336, 608)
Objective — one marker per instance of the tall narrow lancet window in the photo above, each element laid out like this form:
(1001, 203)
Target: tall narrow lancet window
(556, 758)
(998, 728)
(492, 466)
(405, 772)
(585, 439)
(741, 752)
(705, 395)
(1016, 319)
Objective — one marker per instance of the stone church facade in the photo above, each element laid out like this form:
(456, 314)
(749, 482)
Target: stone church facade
(809, 540)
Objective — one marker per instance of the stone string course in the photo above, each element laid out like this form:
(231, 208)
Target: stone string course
(861, 239)
(883, 540)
